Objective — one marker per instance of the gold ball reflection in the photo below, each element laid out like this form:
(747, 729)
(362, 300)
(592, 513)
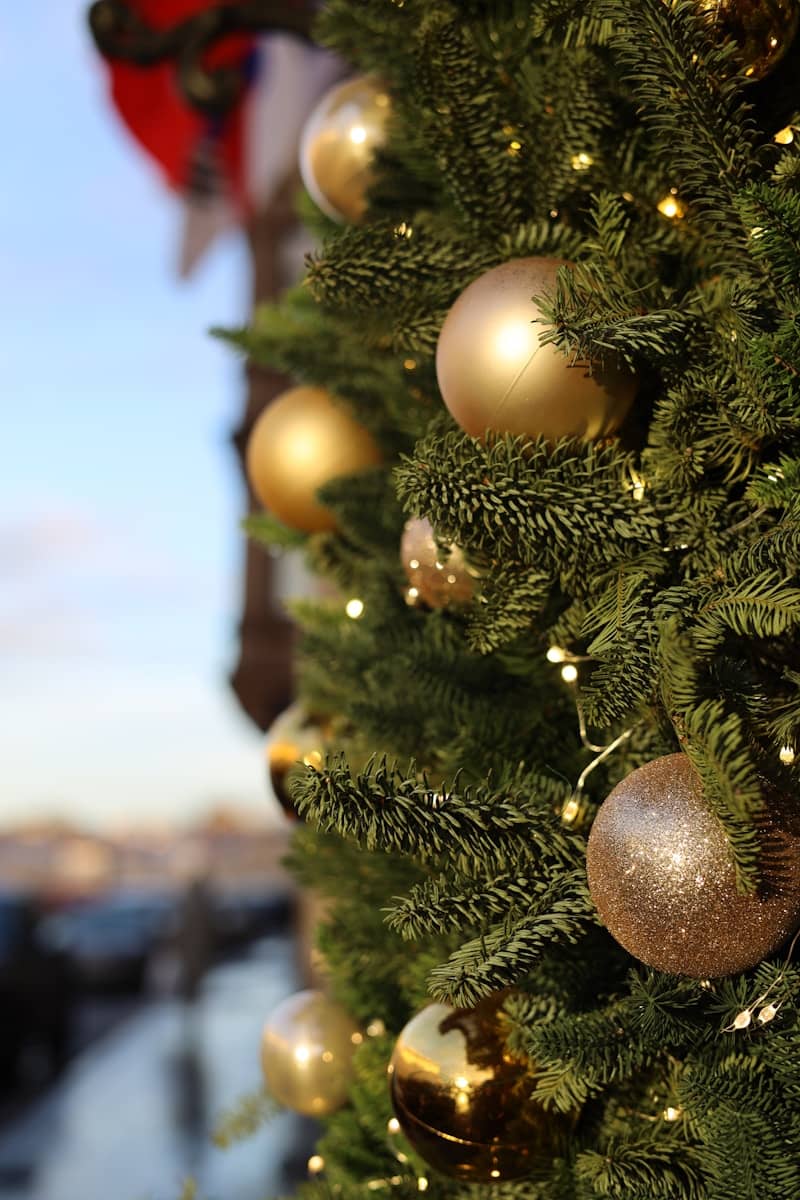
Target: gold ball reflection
(464, 1102)
(440, 579)
(296, 736)
(661, 874)
(338, 145)
(763, 30)
(302, 440)
(307, 1048)
(494, 373)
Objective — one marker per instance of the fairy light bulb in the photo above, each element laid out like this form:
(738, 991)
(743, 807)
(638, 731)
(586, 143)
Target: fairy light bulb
(785, 136)
(570, 811)
(556, 655)
(581, 161)
(569, 673)
(787, 755)
(354, 608)
(671, 206)
(316, 1164)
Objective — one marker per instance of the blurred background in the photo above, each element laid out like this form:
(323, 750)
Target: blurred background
(146, 925)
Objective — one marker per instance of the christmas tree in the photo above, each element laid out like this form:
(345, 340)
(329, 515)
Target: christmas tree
(566, 313)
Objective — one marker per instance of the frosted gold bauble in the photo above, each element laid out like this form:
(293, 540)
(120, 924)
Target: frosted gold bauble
(294, 737)
(661, 874)
(763, 30)
(301, 441)
(438, 578)
(494, 373)
(464, 1102)
(307, 1049)
(338, 145)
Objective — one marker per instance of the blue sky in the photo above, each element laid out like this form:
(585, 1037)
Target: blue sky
(119, 496)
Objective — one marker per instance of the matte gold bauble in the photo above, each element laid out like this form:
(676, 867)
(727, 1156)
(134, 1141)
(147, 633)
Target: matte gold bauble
(763, 30)
(494, 373)
(294, 737)
(661, 874)
(441, 579)
(307, 1049)
(464, 1102)
(301, 441)
(338, 145)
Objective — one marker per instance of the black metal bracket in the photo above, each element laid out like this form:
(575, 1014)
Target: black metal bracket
(120, 33)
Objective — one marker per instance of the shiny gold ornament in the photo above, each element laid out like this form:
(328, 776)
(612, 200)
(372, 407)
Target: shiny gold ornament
(495, 374)
(661, 874)
(294, 737)
(464, 1103)
(763, 30)
(437, 578)
(301, 441)
(307, 1049)
(338, 146)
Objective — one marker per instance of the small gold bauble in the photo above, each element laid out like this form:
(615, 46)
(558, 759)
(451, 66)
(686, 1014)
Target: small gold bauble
(301, 441)
(294, 737)
(494, 373)
(661, 874)
(439, 579)
(307, 1049)
(338, 146)
(763, 30)
(464, 1103)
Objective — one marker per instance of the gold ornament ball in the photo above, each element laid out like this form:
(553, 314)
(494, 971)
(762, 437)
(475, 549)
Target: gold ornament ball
(441, 579)
(296, 736)
(338, 146)
(464, 1103)
(301, 441)
(763, 30)
(307, 1048)
(662, 877)
(494, 373)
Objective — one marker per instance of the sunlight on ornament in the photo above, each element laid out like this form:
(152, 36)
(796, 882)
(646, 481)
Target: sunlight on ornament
(787, 755)
(672, 206)
(569, 673)
(301, 1055)
(785, 136)
(316, 1164)
(582, 161)
(512, 341)
(358, 134)
(354, 608)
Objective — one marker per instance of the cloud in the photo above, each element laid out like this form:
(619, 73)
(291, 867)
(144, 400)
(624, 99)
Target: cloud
(68, 575)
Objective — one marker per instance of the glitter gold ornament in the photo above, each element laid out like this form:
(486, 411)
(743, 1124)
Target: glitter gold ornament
(661, 874)
(763, 30)
(338, 146)
(440, 579)
(294, 737)
(302, 440)
(464, 1102)
(494, 373)
(307, 1049)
